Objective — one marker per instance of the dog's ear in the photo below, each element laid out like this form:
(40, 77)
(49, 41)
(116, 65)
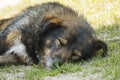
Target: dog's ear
(98, 45)
(50, 22)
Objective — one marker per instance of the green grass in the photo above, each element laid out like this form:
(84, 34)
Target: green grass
(104, 16)
(40, 73)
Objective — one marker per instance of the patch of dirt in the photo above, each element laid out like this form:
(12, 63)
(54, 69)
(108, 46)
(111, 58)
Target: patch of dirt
(76, 76)
(12, 76)
(15, 73)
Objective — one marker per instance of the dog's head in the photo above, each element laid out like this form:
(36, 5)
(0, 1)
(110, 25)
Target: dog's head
(53, 49)
(64, 43)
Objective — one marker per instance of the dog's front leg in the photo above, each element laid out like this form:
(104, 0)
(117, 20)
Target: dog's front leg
(13, 59)
(8, 59)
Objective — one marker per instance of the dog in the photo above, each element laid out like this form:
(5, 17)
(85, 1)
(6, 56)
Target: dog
(48, 33)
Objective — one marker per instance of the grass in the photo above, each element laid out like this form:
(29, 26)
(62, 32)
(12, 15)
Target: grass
(104, 16)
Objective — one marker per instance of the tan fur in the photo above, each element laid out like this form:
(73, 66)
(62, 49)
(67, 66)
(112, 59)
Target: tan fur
(4, 23)
(53, 19)
(12, 59)
(12, 36)
(8, 59)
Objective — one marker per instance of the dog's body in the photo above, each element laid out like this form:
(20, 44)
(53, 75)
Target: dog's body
(49, 32)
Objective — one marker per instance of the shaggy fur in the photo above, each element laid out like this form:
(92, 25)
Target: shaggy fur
(46, 34)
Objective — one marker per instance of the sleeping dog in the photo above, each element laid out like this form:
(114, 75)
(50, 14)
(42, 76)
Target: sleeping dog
(46, 34)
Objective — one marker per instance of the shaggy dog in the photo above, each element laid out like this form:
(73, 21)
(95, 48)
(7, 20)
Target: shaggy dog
(46, 34)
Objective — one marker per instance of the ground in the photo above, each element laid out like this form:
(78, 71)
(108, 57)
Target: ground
(103, 15)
